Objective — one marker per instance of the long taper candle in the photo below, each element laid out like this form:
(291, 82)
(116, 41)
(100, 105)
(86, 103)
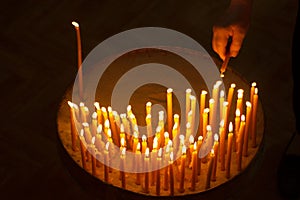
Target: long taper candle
(182, 170)
(157, 188)
(246, 136)
(73, 126)
(79, 59)
(202, 106)
(171, 174)
(216, 149)
(170, 110)
(253, 120)
(146, 169)
(240, 143)
(230, 96)
(106, 162)
(194, 167)
(229, 150)
(209, 170)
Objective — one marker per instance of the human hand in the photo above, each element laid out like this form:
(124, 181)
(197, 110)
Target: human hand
(234, 23)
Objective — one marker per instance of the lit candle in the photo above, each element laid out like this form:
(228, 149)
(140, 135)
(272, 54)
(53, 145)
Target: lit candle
(193, 112)
(153, 158)
(252, 90)
(157, 135)
(209, 170)
(113, 126)
(166, 136)
(135, 141)
(237, 121)
(122, 167)
(157, 189)
(82, 149)
(199, 143)
(240, 143)
(205, 121)
(149, 130)
(239, 103)
(188, 130)
(212, 113)
(171, 174)
(94, 124)
(187, 102)
(161, 125)
(146, 169)
(191, 149)
(222, 94)
(138, 158)
(93, 152)
(99, 113)
(166, 178)
(106, 162)
(202, 106)
(79, 58)
(182, 170)
(82, 112)
(99, 143)
(246, 136)
(216, 149)
(104, 113)
(253, 118)
(222, 145)
(73, 127)
(169, 109)
(148, 108)
(194, 167)
(230, 96)
(87, 133)
(144, 143)
(229, 150)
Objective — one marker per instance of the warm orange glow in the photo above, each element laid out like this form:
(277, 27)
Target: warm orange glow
(240, 93)
(191, 139)
(155, 143)
(230, 127)
(138, 147)
(97, 105)
(243, 118)
(147, 152)
(106, 123)
(75, 24)
(184, 149)
(208, 128)
(232, 85)
(256, 91)
(237, 112)
(109, 133)
(216, 137)
(144, 138)
(253, 84)
(248, 104)
(170, 90)
(195, 146)
(122, 142)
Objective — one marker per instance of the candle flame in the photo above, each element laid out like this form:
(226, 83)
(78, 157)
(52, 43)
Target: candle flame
(93, 139)
(200, 138)
(230, 127)
(86, 109)
(109, 109)
(181, 138)
(188, 91)
(243, 118)
(203, 92)
(106, 123)
(103, 109)
(176, 116)
(122, 129)
(232, 85)
(107, 146)
(161, 115)
(135, 135)
(136, 128)
(240, 93)
(192, 98)
(138, 146)
(175, 126)
(123, 115)
(148, 117)
(129, 108)
(191, 139)
(85, 124)
(144, 138)
(253, 84)
(170, 143)
(155, 142)
(184, 149)
(216, 137)
(81, 132)
(212, 152)
(94, 115)
(171, 156)
(81, 104)
(109, 133)
(148, 104)
(188, 125)
(222, 123)
(195, 146)
(170, 90)
(97, 105)
(211, 101)
(208, 128)
(158, 129)
(70, 104)
(190, 113)
(159, 154)
(99, 128)
(123, 142)
(166, 134)
(123, 151)
(225, 103)
(222, 94)
(75, 24)
(237, 112)
(256, 91)
(248, 104)
(206, 110)
(147, 152)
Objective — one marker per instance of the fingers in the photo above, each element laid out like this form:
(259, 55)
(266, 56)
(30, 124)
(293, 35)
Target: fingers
(220, 39)
(237, 41)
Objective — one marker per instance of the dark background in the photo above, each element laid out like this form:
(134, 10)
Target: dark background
(38, 63)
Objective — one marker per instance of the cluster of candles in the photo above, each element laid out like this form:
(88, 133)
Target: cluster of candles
(166, 149)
